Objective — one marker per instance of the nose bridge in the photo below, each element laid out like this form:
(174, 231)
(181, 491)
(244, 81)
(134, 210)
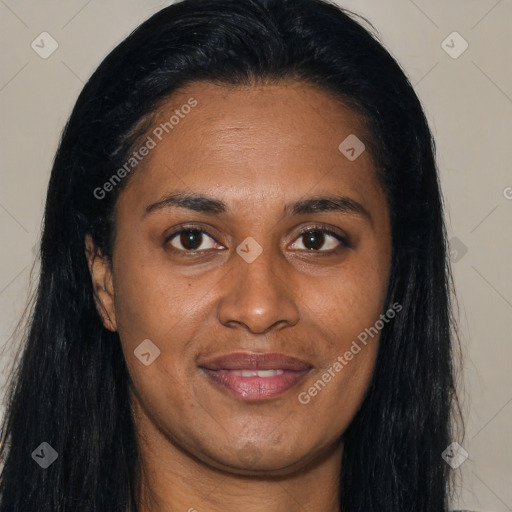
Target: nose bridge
(257, 296)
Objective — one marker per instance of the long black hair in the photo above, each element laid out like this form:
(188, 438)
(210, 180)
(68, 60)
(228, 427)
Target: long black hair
(70, 388)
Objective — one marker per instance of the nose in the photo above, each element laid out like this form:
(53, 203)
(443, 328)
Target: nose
(259, 295)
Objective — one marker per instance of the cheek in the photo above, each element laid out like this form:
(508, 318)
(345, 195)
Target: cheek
(154, 303)
(346, 310)
(335, 392)
(150, 299)
(351, 300)
(151, 305)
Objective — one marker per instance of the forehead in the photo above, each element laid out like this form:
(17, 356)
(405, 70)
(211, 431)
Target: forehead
(264, 141)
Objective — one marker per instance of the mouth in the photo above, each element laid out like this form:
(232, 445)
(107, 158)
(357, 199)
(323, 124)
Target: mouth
(251, 376)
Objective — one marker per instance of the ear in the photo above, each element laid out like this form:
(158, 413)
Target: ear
(102, 283)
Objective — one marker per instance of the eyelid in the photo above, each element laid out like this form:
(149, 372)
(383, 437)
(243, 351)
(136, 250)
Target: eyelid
(338, 234)
(190, 227)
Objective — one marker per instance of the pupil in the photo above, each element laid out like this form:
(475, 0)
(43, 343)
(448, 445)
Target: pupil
(191, 239)
(315, 239)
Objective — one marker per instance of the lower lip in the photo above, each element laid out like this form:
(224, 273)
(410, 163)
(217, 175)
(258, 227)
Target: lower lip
(255, 388)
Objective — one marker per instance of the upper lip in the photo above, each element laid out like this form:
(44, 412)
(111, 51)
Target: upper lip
(256, 361)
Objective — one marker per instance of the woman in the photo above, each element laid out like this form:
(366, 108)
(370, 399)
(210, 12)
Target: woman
(244, 293)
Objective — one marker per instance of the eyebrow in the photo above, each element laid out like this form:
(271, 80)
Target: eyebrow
(204, 204)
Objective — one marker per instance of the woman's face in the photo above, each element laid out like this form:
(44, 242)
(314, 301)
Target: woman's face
(245, 169)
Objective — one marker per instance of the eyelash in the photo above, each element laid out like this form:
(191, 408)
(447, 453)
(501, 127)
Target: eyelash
(316, 229)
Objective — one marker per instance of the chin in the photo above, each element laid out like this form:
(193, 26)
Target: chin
(251, 460)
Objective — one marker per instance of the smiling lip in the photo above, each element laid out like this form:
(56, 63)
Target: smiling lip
(251, 376)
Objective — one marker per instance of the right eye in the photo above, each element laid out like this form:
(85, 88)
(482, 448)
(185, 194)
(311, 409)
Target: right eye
(191, 240)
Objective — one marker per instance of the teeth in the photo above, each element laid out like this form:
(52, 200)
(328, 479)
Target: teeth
(269, 373)
(258, 373)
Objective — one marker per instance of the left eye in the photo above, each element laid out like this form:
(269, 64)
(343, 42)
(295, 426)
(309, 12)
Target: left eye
(191, 240)
(315, 239)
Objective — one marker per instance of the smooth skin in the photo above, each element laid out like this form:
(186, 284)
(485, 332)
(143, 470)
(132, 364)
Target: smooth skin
(255, 148)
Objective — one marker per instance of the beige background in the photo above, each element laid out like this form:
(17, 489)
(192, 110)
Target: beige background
(469, 104)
